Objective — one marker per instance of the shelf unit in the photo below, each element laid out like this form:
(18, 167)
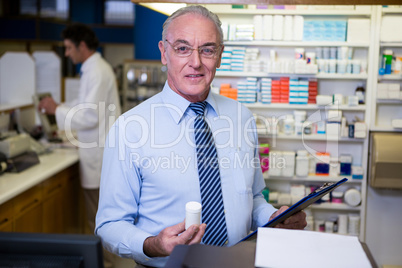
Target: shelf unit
(266, 74)
(328, 85)
(384, 110)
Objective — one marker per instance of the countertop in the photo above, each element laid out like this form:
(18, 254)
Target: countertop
(12, 184)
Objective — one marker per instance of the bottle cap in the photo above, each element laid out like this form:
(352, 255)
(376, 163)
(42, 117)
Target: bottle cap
(193, 207)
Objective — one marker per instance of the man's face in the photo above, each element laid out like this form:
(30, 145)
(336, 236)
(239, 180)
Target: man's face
(72, 51)
(190, 76)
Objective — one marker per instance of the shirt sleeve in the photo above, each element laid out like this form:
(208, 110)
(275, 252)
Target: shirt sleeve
(84, 112)
(262, 210)
(118, 202)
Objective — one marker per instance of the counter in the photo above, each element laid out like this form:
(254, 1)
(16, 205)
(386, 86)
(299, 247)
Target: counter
(13, 184)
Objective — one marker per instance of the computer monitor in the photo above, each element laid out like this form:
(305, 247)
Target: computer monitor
(50, 250)
(48, 121)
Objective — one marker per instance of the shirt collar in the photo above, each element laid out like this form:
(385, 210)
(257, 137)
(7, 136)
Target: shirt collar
(88, 62)
(180, 104)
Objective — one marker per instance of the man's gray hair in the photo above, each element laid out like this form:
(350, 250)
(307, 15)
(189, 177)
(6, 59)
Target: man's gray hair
(195, 9)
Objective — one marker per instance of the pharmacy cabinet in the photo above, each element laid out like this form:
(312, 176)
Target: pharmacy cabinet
(141, 80)
(6, 215)
(53, 206)
(311, 68)
(28, 211)
(387, 101)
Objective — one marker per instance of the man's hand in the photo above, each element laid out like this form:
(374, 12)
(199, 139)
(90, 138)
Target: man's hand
(47, 105)
(296, 221)
(162, 244)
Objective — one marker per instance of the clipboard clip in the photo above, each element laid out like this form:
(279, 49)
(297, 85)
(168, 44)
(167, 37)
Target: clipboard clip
(322, 187)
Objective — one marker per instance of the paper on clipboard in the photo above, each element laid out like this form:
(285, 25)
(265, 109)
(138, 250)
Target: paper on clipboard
(300, 205)
(308, 249)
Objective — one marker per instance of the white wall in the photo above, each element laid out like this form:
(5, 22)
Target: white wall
(384, 225)
(117, 54)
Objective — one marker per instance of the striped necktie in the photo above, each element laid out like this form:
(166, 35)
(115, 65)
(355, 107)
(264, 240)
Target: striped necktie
(210, 183)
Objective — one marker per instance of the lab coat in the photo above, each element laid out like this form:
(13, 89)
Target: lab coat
(91, 116)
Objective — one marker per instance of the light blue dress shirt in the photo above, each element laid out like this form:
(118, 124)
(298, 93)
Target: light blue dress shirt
(150, 172)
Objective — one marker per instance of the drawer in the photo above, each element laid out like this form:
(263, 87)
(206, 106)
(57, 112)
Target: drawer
(6, 214)
(27, 200)
(54, 184)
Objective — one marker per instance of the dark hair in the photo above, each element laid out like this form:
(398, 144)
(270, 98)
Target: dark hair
(78, 32)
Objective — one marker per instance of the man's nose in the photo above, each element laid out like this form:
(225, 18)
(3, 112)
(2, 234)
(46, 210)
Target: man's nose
(195, 59)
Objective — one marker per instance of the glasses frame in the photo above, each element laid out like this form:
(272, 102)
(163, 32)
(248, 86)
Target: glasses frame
(218, 48)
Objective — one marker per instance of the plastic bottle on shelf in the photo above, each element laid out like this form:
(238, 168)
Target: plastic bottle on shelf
(289, 125)
(302, 163)
(387, 59)
(360, 93)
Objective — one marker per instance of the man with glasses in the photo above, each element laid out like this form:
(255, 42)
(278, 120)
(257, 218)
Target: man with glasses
(184, 144)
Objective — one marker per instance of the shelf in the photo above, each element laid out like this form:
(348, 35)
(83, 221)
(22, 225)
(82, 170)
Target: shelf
(311, 137)
(308, 12)
(389, 102)
(385, 129)
(334, 206)
(391, 44)
(390, 77)
(264, 74)
(392, 10)
(304, 107)
(310, 179)
(13, 106)
(295, 43)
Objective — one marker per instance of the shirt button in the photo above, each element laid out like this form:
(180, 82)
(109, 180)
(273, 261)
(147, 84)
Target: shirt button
(146, 259)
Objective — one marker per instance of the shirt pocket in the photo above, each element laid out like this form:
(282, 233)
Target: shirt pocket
(243, 171)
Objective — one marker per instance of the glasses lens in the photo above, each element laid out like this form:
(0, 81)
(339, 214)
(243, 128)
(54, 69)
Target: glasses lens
(208, 52)
(183, 50)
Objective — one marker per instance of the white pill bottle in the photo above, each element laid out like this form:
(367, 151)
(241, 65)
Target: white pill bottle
(193, 213)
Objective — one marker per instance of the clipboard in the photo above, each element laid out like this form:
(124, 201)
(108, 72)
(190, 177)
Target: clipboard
(300, 205)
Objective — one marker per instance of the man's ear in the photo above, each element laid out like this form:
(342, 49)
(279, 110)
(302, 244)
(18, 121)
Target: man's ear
(162, 50)
(220, 57)
(82, 45)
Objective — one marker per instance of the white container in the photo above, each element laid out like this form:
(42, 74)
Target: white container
(289, 159)
(310, 223)
(354, 224)
(193, 214)
(289, 125)
(342, 224)
(310, 57)
(329, 226)
(352, 197)
(334, 167)
(299, 53)
(302, 163)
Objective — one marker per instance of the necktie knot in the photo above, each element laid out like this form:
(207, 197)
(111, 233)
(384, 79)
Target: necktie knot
(198, 107)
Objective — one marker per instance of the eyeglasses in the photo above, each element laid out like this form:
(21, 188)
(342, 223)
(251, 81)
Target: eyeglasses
(183, 50)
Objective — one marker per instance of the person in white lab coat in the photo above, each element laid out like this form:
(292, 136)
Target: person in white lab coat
(92, 113)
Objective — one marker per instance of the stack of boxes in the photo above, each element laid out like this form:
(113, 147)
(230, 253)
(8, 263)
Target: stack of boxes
(237, 63)
(226, 60)
(266, 86)
(268, 90)
(244, 94)
(251, 61)
(294, 91)
(284, 92)
(298, 91)
(239, 32)
(228, 91)
(312, 90)
(389, 91)
(324, 30)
